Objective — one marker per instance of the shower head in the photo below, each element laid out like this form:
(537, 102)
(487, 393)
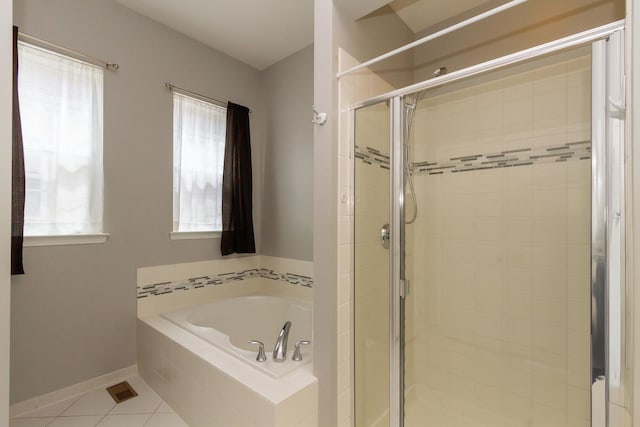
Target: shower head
(440, 72)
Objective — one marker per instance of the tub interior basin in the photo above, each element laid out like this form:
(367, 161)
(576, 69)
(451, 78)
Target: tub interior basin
(255, 317)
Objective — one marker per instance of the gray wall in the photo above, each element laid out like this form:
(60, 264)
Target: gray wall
(73, 313)
(287, 215)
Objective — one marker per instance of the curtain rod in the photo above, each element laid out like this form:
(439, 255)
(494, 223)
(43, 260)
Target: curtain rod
(435, 35)
(196, 95)
(28, 38)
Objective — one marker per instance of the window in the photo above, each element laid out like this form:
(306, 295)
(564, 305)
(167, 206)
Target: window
(61, 102)
(198, 159)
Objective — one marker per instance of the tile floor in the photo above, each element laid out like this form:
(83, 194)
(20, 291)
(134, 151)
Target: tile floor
(97, 408)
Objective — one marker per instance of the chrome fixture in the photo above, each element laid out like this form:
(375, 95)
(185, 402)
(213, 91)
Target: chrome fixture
(280, 350)
(261, 356)
(409, 111)
(440, 72)
(297, 355)
(385, 235)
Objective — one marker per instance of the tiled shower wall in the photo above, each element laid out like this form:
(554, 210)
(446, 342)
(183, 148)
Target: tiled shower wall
(499, 311)
(498, 315)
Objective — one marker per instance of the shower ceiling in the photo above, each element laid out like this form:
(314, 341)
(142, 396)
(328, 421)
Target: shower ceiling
(422, 14)
(260, 33)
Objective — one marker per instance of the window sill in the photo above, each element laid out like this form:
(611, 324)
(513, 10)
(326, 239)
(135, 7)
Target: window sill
(193, 235)
(63, 240)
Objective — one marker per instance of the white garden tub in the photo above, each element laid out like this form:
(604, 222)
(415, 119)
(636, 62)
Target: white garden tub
(231, 323)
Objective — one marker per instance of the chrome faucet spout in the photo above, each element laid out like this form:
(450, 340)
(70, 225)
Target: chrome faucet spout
(280, 350)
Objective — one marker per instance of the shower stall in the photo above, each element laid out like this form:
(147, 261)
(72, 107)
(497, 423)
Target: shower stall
(489, 281)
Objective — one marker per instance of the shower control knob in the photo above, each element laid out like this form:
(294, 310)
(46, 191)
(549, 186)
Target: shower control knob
(261, 356)
(297, 355)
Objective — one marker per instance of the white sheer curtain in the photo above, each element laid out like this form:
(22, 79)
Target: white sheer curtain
(198, 157)
(61, 106)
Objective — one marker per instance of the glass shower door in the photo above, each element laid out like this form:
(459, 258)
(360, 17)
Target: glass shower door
(371, 266)
(498, 316)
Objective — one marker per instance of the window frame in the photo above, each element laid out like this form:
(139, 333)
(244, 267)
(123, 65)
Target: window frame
(100, 237)
(190, 235)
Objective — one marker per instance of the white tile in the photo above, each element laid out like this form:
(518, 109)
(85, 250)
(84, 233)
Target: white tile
(50, 410)
(96, 402)
(81, 421)
(165, 420)
(30, 422)
(130, 420)
(164, 409)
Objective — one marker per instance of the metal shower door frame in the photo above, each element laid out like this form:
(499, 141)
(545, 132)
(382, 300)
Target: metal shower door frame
(605, 42)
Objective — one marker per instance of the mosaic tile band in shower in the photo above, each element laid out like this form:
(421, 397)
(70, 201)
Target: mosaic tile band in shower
(521, 157)
(371, 156)
(580, 150)
(219, 279)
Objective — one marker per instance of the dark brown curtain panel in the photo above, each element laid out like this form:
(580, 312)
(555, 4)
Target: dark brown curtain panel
(237, 205)
(17, 178)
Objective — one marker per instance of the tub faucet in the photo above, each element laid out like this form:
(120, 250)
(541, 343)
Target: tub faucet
(280, 350)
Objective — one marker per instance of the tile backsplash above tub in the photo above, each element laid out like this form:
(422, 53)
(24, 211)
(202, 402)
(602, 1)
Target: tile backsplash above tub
(162, 288)
(165, 287)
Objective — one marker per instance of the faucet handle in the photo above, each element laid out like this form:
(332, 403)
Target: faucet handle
(261, 356)
(297, 355)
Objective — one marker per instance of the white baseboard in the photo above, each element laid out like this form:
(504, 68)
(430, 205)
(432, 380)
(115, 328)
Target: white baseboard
(73, 390)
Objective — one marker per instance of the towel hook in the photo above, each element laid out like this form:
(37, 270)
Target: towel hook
(318, 117)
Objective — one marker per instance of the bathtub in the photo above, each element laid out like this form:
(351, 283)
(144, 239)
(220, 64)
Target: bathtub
(229, 324)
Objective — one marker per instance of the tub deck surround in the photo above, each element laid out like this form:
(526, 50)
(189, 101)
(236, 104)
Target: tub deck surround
(209, 387)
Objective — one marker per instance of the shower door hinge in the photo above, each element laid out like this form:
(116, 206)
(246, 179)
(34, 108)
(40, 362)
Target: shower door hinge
(404, 288)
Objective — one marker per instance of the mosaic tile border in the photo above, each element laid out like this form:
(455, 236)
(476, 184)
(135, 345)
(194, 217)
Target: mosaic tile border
(522, 157)
(162, 288)
(580, 150)
(371, 156)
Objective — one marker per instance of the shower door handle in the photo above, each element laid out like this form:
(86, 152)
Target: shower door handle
(385, 236)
